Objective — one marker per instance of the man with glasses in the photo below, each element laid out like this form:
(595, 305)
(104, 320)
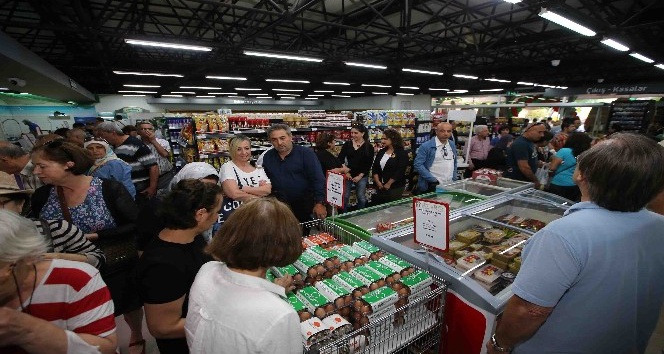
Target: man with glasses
(161, 149)
(436, 160)
(522, 155)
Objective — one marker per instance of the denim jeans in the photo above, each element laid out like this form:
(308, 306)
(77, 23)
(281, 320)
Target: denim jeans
(360, 190)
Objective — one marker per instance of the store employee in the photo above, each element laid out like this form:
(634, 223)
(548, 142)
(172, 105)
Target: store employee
(436, 159)
(296, 175)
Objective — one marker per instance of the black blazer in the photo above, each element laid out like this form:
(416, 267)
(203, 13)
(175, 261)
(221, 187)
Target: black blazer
(395, 167)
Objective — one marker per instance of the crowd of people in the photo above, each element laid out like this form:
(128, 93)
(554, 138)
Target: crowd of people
(109, 218)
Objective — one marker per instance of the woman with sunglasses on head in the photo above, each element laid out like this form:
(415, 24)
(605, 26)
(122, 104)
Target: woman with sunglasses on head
(389, 168)
(357, 154)
(103, 209)
(108, 166)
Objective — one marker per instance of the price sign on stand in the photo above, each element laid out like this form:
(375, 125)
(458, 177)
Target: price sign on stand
(432, 223)
(335, 186)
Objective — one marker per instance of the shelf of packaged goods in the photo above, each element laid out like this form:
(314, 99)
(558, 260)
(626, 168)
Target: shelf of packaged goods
(184, 143)
(207, 155)
(391, 126)
(207, 135)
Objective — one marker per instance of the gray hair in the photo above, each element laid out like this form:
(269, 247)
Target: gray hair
(10, 150)
(109, 127)
(19, 238)
(479, 128)
(623, 173)
(278, 126)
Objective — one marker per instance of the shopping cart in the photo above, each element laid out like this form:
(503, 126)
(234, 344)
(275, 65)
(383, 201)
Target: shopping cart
(413, 328)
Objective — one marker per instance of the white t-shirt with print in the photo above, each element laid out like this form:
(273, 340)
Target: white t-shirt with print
(252, 179)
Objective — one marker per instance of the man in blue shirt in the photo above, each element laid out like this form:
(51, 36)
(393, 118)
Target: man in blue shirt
(591, 282)
(295, 173)
(522, 155)
(436, 159)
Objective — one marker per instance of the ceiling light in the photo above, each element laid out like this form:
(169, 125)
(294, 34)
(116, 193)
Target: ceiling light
(254, 94)
(132, 91)
(525, 83)
(287, 94)
(661, 66)
(287, 90)
(235, 97)
(373, 85)
(145, 86)
(316, 95)
(422, 71)
(292, 81)
(642, 58)
(459, 91)
(205, 97)
(200, 87)
(461, 76)
(171, 95)
(339, 96)
(615, 45)
(265, 97)
(323, 91)
(4, 89)
(222, 93)
(184, 92)
(144, 74)
(247, 89)
(168, 45)
(133, 95)
(405, 94)
(513, 1)
(336, 83)
(371, 66)
(311, 98)
(542, 85)
(437, 89)
(567, 23)
(287, 97)
(562, 87)
(226, 78)
(497, 80)
(379, 93)
(347, 92)
(491, 90)
(282, 56)
(409, 87)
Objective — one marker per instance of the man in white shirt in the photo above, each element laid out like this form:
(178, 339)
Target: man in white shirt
(161, 149)
(436, 160)
(15, 161)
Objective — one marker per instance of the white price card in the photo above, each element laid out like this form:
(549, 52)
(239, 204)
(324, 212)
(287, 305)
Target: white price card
(335, 186)
(432, 223)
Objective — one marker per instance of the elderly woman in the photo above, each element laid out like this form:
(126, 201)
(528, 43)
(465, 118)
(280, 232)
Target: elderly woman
(108, 166)
(103, 209)
(170, 262)
(479, 146)
(233, 308)
(32, 290)
(389, 168)
(240, 180)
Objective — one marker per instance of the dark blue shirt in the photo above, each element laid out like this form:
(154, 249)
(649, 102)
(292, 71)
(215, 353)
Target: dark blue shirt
(521, 149)
(298, 176)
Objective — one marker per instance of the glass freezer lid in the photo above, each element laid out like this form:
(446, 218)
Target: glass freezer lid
(473, 187)
(510, 183)
(548, 197)
(531, 215)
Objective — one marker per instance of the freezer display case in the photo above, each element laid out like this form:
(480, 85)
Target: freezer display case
(480, 187)
(545, 196)
(482, 261)
(375, 220)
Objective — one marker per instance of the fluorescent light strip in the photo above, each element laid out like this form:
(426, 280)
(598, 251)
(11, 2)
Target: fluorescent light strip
(316, 95)
(336, 83)
(247, 89)
(513, 1)
(379, 93)
(661, 66)
(349, 92)
(226, 78)
(287, 97)
(311, 98)
(287, 94)
(143, 86)
(542, 85)
(459, 91)
(254, 94)
(201, 87)
(409, 87)
(567, 23)
(437, 89)
(525, 83)
(129, 95)
(562, 87)
(222, 93)
(168, 45)
(284, 80)
(323, 91)
(235, 97)
(373, 85)
(265, 97)
(287, 90)
(491, 90)
(133, 91)
(171, 95)
(205, 97)
(497, 80)
(405, 94)
(461, 76)
(339, 96)
(422, 71)
(642, 58)
(362, 65)
(4, 89)
(118, 72)
(615, 45)
(184, 92)
(282, 56)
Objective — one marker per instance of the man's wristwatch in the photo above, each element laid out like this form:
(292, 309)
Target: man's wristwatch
(498, 348)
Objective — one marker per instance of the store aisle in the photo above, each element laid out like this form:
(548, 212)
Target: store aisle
(656, 345)
(123, 337)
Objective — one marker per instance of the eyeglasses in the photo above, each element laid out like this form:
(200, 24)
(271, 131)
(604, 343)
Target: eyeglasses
(445, 154)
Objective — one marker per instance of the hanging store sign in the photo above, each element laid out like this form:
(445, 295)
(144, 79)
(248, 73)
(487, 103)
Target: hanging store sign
(432, 223)
(631, 89)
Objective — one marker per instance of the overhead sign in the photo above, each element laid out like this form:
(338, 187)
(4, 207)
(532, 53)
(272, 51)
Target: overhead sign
(464, 115)
(432, 223)
(630, 89)
(335, 187)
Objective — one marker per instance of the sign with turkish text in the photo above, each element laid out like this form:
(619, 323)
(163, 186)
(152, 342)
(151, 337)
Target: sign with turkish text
(335, 186)
(432, 223)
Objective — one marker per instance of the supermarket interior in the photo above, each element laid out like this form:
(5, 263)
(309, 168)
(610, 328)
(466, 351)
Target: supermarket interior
(415, 251)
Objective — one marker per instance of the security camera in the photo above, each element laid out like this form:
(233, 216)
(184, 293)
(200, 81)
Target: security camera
(555, 62)
(14, 81)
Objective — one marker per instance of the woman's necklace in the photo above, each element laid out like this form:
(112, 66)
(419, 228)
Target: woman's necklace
(18, 290)
(357, 145)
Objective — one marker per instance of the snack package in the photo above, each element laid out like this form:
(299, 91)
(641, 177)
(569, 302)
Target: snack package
(201, 122)
(494, 236)
(488, 274)
(470, 261)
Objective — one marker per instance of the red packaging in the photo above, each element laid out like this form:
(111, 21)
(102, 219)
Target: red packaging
(486, 175)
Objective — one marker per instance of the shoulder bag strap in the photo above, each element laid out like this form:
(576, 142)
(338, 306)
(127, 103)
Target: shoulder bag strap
(63, 205)
(239, 181)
